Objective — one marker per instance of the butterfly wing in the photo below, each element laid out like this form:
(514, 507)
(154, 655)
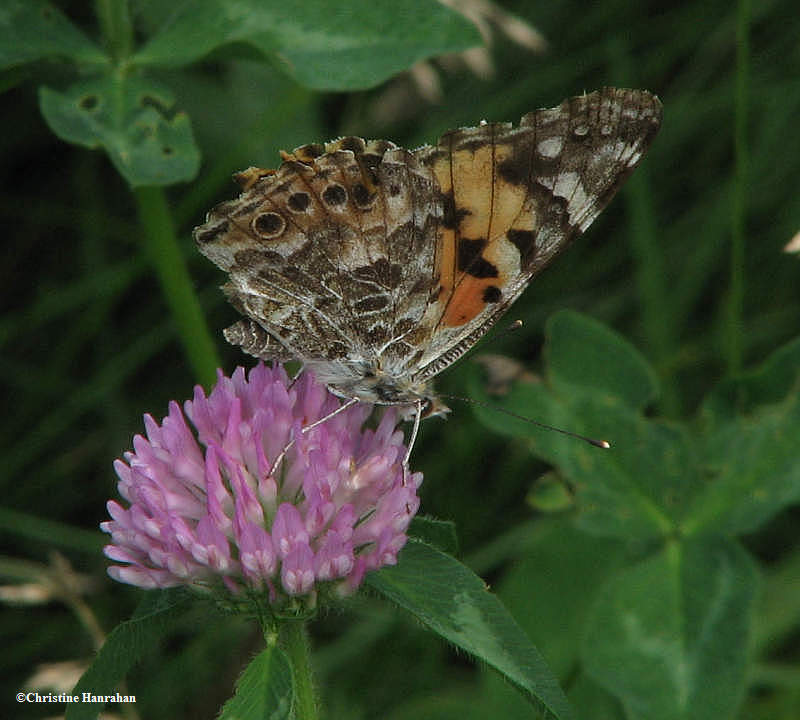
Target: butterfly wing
(330, 258)
(378, 267)
(515, 197)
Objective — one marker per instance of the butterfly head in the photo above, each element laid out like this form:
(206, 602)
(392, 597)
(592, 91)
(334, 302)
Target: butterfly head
(376, 385)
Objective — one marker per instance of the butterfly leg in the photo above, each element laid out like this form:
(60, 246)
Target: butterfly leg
(341, 408)
(296, 377)
(307, 428)
(412, 440)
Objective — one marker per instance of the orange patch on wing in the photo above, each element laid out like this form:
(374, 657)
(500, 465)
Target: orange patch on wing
(472, 294)
(492, 207)
(446, 263)
(509, 199)
(493, 203)
(467, 301)
(472, 190)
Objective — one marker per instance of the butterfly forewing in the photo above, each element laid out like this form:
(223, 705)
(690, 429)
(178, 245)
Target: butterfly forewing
(540, 184)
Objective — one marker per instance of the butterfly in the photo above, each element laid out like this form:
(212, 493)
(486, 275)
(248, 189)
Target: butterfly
(378, 267)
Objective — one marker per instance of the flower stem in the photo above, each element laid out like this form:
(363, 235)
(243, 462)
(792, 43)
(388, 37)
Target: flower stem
(115, 24)
(294, 637)
(166, 258)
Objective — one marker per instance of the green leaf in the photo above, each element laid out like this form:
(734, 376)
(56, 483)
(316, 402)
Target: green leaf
(549, 588)
(553, 613)
(750, 449)
(550, 494)
(639, 488)
(125, 646)
(670, 635)
(454, 602)
(264, 690)
(346, 46)
(439, 533)
(592, 702)
(584, 354)
(754, 468)
(33, 29)
(132, 119)
(768, 384)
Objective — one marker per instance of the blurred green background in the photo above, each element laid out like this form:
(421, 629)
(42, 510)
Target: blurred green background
(89, 342)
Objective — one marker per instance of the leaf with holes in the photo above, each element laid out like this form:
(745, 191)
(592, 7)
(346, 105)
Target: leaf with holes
(133, 120)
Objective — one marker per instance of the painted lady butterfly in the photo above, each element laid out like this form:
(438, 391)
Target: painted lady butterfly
(378, 267)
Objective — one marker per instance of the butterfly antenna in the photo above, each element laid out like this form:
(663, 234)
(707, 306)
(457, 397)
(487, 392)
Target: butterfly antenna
(596, 443)
(516, 325)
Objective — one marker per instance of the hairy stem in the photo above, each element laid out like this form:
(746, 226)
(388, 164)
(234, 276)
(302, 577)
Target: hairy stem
(294, 635)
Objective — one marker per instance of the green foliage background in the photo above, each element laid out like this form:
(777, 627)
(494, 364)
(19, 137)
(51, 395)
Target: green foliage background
(658, 580)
